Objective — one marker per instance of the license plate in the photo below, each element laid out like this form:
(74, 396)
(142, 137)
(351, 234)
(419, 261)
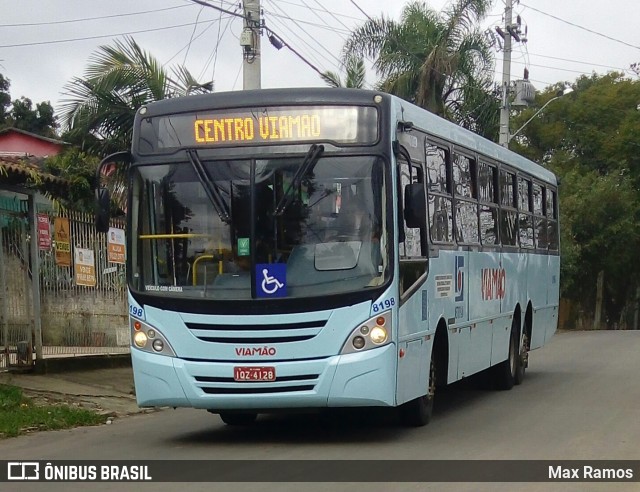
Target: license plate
(254, 373)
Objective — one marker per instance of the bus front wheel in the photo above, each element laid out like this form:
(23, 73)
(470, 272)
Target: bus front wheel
(418, 412)
(230, 418)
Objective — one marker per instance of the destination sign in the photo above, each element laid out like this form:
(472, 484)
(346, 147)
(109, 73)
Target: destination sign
(237, 127)
(285, 127)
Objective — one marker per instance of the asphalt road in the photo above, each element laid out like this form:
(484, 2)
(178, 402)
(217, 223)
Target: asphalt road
(580, 401)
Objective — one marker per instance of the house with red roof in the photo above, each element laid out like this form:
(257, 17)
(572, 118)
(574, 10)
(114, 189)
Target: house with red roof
(16, 142)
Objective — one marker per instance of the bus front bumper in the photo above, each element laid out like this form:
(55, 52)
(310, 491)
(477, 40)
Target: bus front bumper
(360, 379)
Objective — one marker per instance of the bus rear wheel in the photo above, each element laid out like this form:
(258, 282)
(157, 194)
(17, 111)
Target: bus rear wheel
(511, 371)
(231, 418)
(418, 412)
(523, 359)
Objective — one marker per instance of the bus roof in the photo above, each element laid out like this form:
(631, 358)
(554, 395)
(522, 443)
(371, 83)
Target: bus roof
(260, 97)
(404, 111)
(451, 132)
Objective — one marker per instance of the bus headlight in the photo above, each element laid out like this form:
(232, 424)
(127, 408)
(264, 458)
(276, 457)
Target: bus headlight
(378, 335)
(140, 339)
(149, 339)
(373, 333)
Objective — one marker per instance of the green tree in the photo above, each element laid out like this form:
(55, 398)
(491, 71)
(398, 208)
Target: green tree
(21, 113)
(439, 61)
(590, 139)
(40, 120)
(118, 80)
(597, 125)
(79, 169)
(5, 100)
(355, 73)
(600, 221)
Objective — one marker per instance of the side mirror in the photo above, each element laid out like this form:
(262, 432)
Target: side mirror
(103, 209)
(415, 206)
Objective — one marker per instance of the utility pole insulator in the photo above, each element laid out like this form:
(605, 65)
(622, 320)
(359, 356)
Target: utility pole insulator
(246, 39)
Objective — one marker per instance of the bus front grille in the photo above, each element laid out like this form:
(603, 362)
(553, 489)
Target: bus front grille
(217, 385)
(256, 333)
(255, 391)
(299, 377)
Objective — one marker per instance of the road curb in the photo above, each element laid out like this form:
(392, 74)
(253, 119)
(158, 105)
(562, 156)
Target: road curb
(82, 363)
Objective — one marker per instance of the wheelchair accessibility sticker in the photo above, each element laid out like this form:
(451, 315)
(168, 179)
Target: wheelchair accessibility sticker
(271, 280)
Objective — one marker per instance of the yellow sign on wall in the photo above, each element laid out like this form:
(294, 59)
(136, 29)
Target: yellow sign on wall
(63, 241)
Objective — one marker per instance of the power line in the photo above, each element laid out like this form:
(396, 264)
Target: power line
(195, 27)
(313, 11)
(214, 55)
(84, 19)
(302, 41)
(314, 24)
(270, 31)
(311, 8)
(85, 38)
(311, 37)
(338, 63)
(575, 61)
(206, 4)
(363, 12)
(582, 27)
(552, 68)
(236, 79)
(331, 14)
(194, 38)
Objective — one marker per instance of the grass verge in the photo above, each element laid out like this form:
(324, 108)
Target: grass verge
(19, 414)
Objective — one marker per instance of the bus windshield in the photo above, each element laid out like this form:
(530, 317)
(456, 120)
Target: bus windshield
(305, 226)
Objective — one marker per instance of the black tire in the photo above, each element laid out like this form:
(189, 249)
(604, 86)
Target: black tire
(523, 358)
(418, 412)
(504, 374)
(238, 418)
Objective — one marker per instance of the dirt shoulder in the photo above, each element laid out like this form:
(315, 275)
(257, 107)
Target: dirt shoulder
(109, 392)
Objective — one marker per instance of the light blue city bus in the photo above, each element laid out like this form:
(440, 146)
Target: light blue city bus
(319, 247)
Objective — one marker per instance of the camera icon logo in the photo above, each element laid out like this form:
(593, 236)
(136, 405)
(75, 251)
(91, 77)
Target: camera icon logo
(23, 470)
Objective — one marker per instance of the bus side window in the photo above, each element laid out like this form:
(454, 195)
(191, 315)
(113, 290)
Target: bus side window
(412, 252)
(440, 199)
(413, 245)
(539, 218)
(465, 185)
(508, 211)
(552, 219)
(488, 196)
(525, 218)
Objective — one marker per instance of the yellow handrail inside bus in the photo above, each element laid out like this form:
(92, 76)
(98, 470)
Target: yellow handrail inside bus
(195, 264)
(170, 236)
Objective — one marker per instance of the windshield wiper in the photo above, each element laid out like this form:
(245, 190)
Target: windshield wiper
(310, 160)
(212, 191)
(327, 192)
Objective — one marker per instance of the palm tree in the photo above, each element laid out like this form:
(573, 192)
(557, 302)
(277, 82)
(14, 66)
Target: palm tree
(354, 74)
(432, 59)
(119, 79)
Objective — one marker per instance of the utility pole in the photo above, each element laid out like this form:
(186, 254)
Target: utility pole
(250, 42)
(35, 278)
(506, 74)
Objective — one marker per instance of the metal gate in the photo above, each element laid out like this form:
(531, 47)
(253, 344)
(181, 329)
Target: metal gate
(16, 305)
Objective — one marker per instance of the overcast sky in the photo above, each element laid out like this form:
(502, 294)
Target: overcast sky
(566, 38)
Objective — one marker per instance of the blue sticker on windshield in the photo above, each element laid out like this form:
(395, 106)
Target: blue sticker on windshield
(271, 280)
